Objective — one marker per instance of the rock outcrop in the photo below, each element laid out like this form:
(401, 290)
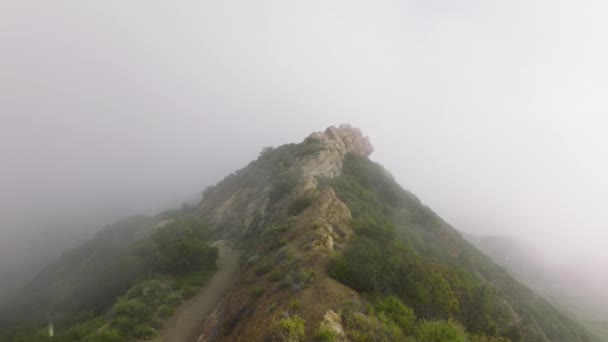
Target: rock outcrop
(337, 142)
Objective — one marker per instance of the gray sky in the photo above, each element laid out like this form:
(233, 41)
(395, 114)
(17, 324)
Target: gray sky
(492, 112)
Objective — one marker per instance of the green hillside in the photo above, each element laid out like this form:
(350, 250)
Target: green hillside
(117, 286)
(333, 249)
(403, 248)
(599, 328)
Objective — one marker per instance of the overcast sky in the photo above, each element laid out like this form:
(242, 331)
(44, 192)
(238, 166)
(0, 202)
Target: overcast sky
(493, 112)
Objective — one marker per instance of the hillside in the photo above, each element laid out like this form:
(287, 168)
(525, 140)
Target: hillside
(335, 247)
(121, 285)
(332, 249)
(571, 285)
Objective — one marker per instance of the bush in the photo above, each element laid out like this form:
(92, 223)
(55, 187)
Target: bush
(294, 305)
(133, 310)
(275, 275)
(257, 292)
(361, 327)
(181, 247)
(282, 186)
(300, 279)
(299, 204)
(165, 311)
(263, 267)
(326, 334)
(484, 338)
(143, 332)
(195, 279)
(107, 335)
(174, 299)
(189, 291)
(392, 308)
(287, 330)
(441, 331)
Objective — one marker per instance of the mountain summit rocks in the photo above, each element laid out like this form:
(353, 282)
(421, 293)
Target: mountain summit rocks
(346, 139)
(337, 142)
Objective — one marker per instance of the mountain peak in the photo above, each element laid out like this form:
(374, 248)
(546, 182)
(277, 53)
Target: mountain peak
(333, 145)
(346, 139)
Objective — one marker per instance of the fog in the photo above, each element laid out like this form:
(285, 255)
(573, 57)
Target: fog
(492, 112)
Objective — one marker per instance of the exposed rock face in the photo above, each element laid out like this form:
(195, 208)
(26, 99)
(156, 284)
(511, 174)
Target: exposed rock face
(331, 216)
(333, 321)
(349, 139)
(338, 142)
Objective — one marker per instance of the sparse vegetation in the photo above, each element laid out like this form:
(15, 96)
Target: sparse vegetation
(290, 329)
(294, 305)
(300, 279)
(257, 292)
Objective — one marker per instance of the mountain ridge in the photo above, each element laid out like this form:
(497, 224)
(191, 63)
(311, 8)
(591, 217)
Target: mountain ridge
(319, 160)
(332, 249)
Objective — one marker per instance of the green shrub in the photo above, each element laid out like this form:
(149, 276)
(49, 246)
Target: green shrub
(124, 325)
(107, 335)
(392, 308)
(174, 299)
(287, 330)
(275, 275)
(441, 331)
(294, 305)
(134, 310)
(189, 291)
(299, 204)
(361, 327)
(484, 338)
(143, 332)
(326, 334)
(271, 307)
(194, 279)
(283, 185)
(257, 292)
(263, 267)
(276, 229)
(309, 146)
(165, 311)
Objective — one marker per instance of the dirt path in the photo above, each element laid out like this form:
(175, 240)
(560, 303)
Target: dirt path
(186, 324)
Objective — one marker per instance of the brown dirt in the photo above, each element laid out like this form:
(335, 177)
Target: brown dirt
(187, 322)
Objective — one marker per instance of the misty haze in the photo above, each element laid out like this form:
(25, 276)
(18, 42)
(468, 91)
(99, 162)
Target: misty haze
(304, 171)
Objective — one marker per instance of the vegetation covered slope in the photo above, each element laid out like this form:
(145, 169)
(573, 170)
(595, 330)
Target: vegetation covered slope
(336, 249)
(570, 285)
(116, 287)
(402, 248)
(332, 249)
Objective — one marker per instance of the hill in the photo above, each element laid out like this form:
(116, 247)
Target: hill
(332, 249)
(118, 286)
(335, 246)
